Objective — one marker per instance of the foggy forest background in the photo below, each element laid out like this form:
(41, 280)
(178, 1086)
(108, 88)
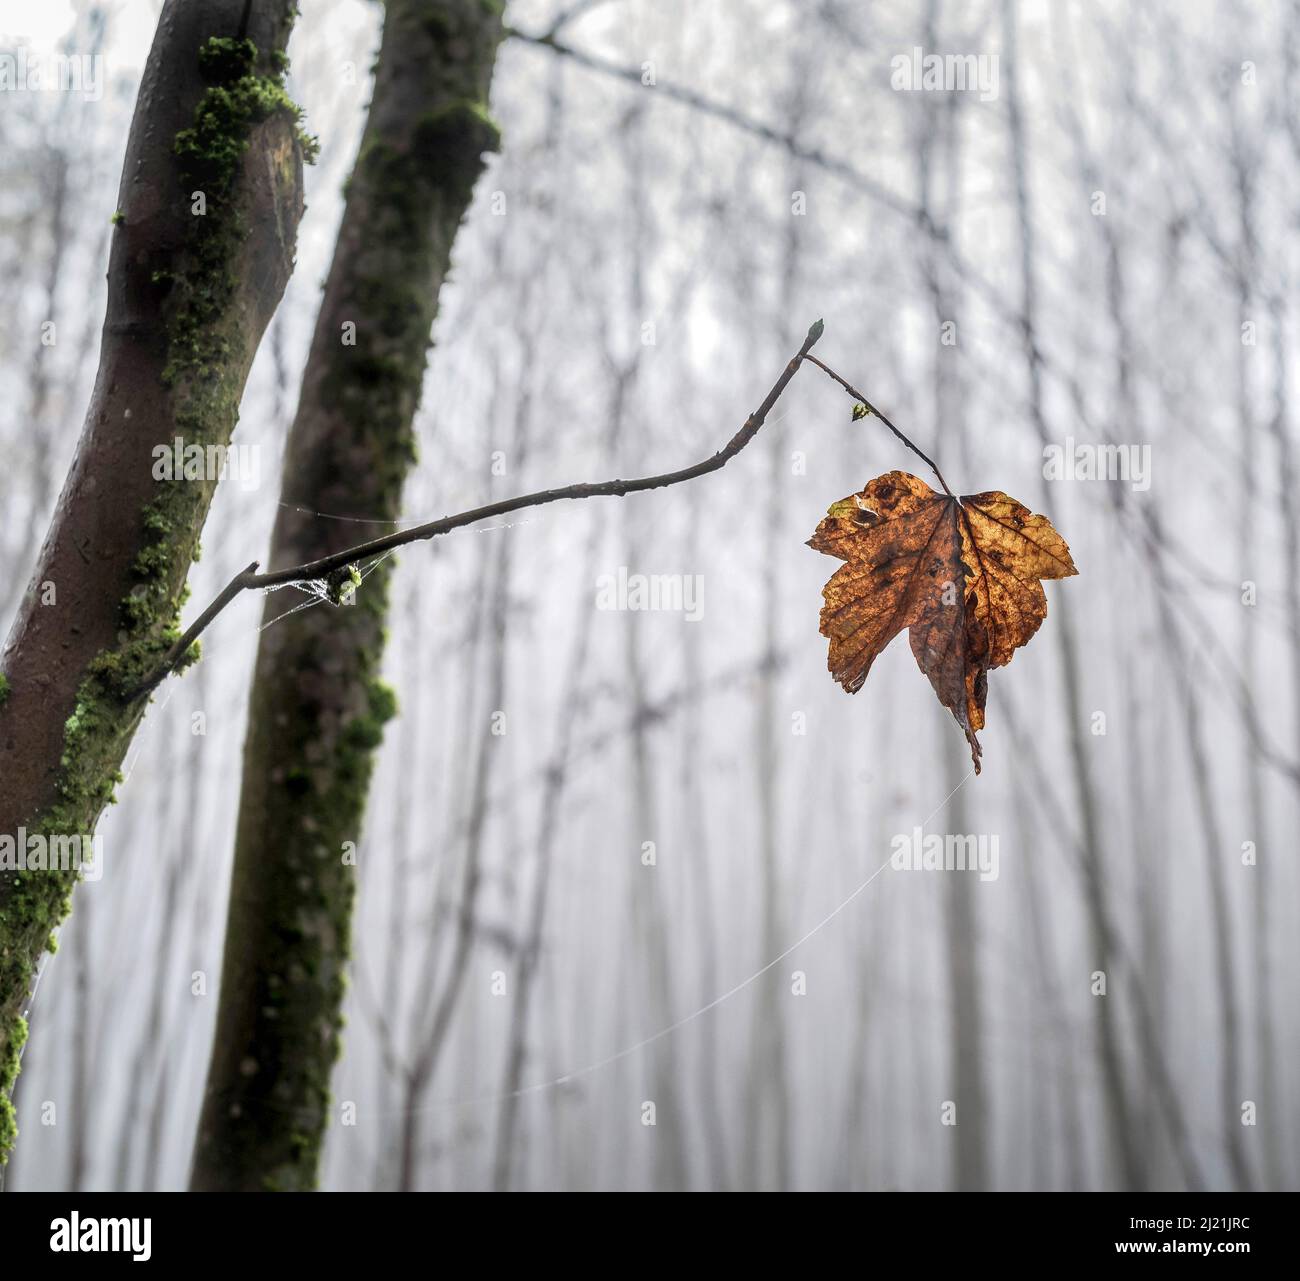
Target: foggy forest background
(639, 262)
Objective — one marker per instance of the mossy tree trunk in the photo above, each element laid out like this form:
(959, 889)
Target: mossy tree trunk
(318, 707)
(203, 245)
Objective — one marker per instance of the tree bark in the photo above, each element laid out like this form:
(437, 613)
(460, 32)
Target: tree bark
(188, 299)
(318, 706)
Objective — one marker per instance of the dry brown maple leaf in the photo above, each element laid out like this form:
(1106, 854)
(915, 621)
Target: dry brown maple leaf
(962, 574)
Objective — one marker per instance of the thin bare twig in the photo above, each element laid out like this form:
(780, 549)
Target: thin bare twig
(708, 106)
(249, 579)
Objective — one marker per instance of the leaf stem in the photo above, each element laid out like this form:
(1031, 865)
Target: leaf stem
(871, 409)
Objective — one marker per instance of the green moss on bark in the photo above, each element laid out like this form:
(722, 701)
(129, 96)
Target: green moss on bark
(319, 705)
(8, 1075)
(206, 331)
(301, 932)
